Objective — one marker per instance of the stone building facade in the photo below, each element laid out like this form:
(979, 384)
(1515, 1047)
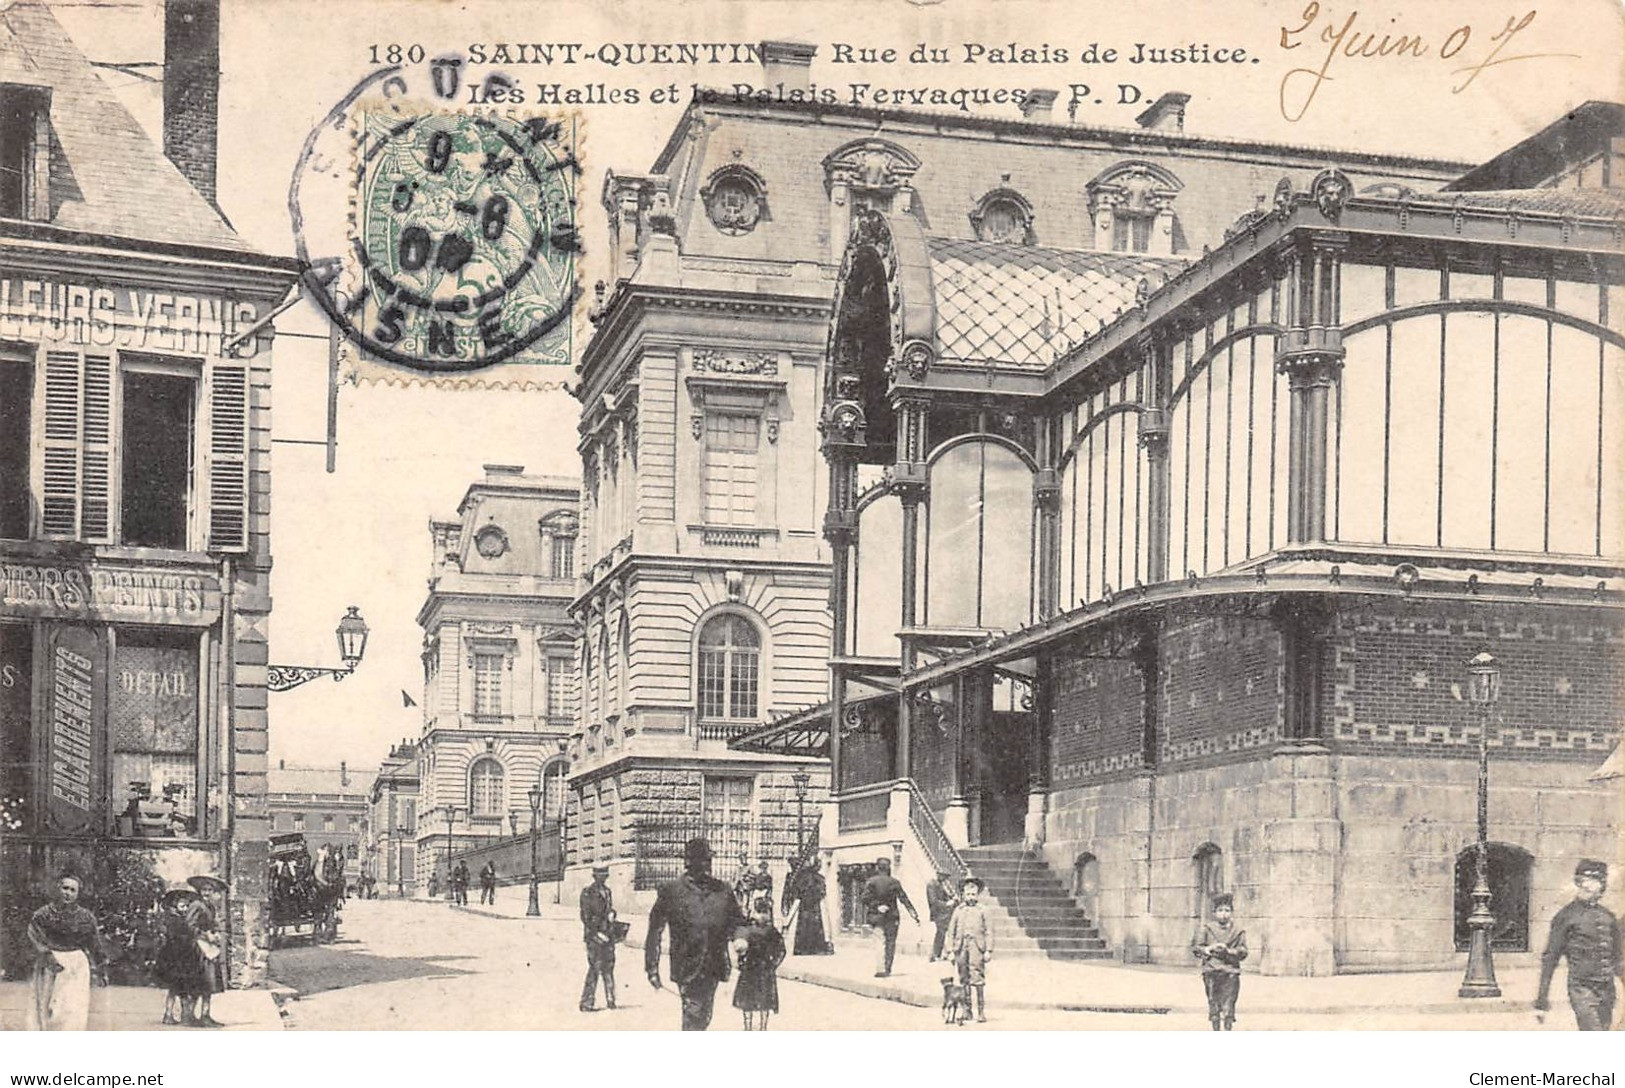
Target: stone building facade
(1255, 516)
(392, 820)
(499, 651)
(328, 805)
(134, 505)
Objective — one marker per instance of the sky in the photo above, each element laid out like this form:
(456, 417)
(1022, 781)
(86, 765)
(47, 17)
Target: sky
(360, 535)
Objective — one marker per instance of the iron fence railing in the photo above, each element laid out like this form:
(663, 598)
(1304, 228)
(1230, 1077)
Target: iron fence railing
(659, 843)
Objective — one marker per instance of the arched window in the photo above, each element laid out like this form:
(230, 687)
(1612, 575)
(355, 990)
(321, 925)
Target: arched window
(1208, 863)
(1086, 886)
(1509, 896)
(485, 793)
(729, 665)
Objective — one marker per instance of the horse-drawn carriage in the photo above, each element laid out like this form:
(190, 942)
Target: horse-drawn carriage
(306, 892)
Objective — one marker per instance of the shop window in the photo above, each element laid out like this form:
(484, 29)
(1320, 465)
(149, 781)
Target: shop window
(1508, 879)
(16, 712)
(485, 794)
(729, 468)
(157, 458)
(16, 399)
(729, 666)
(154, 726)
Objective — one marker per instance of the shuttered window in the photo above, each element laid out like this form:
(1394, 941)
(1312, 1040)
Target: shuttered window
(118, 440)
(16, 406)
(730, 468)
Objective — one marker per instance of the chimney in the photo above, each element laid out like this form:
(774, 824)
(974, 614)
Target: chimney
(1166, 114)
(789, 63)
(281, 764)
(504, 470)
(192, 90)
(344, 773)
(1038, 105)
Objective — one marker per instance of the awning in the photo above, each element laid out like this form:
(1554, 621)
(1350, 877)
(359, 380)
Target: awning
(804, 733)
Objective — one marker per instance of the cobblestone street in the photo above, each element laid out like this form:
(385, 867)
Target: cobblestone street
(420, 964)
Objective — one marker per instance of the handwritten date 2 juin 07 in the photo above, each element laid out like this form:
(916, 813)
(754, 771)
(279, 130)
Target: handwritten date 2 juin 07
(1471, 49)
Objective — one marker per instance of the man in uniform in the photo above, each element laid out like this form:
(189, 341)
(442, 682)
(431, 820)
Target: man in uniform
(881, 895)
(597, 916)
(1588, 934)
(703, 915)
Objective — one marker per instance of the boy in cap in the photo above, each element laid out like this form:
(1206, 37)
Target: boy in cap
(1588, 934)
(1221, 945)
(970, 940)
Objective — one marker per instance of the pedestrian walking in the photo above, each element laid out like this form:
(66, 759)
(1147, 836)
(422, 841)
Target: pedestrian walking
(1588, 934)
(67, 951)
(940, 901)
(1220, 945)
(703, 916)
(459, 884)
(804, 896)
(598, 931)
(488, 883)
(760, 949)
(882, 894)
(970, 942)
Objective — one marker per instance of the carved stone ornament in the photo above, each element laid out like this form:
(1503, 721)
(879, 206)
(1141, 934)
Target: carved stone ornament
(1331, 190)
(696, 425)
(868, 227)
(734, 199)
(1283, 197)
(661, 218)
(491, 542)
(845, 421)
(772, 432)
(756, 362)
(916, 359)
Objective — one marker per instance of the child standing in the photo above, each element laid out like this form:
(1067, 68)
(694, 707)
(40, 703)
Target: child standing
(970, 942)
(1221, 945)
(760, 947)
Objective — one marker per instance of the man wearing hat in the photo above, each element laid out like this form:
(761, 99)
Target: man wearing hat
(704, 916)
(1221, 945)
(970, 942)
(881, 895)
(597, 924)
(1588, 934)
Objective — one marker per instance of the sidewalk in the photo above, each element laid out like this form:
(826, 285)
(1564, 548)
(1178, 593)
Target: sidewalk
(141, 1008)
(1095, 986)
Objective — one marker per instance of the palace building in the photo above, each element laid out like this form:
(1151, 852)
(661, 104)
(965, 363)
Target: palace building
(1168, 484)
(498, 658)
(135, 375)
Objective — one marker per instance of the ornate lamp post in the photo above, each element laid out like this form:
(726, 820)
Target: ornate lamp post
(533, 909)
(352, 636)
(451, 815)
(801, 778)
(1484, 685)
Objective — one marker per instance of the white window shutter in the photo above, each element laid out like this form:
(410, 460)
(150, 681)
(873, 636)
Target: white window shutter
(227, 399)
(61, 396)
(96, 487)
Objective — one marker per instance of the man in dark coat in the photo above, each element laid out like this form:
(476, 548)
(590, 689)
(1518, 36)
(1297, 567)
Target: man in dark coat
(1588, 934)
(881, 895)
(488, 883)
(940, 902)
(704, 916)
(597, 918)
(459, 884)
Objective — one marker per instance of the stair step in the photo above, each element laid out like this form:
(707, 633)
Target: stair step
(1033, 913)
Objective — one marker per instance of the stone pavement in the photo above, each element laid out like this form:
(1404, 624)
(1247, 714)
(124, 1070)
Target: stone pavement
(141, 1008)
(1106, 987)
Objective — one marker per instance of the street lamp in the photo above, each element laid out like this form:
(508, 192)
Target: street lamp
(1484, 686)
(533, 909)
(801, 778)
(451, 815)
(352, 638)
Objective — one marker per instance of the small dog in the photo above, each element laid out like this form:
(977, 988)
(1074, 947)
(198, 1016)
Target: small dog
(955, 1002)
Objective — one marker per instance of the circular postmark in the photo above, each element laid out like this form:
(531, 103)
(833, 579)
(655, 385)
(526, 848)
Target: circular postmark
(435, 239)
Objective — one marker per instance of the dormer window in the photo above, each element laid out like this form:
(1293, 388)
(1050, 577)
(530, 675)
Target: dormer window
(1133, 208)
(559, 530)
(25, 151)
(1003, 215)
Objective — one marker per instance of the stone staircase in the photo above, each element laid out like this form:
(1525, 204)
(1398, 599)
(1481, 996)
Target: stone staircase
(1034, 915)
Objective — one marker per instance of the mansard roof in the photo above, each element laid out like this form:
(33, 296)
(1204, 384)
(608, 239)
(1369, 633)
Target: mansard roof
(1026, 306)
(107, 177)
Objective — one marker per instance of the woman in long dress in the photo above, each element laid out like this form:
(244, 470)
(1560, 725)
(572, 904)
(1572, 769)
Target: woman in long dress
(66, 946)
(806, 888)
(211, 977)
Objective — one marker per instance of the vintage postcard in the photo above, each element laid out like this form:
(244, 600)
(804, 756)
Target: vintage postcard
(950, 516)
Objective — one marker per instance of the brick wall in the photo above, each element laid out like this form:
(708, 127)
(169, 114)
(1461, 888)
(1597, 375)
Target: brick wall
(192, 89)
(1099, 717)
(1221, 687)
